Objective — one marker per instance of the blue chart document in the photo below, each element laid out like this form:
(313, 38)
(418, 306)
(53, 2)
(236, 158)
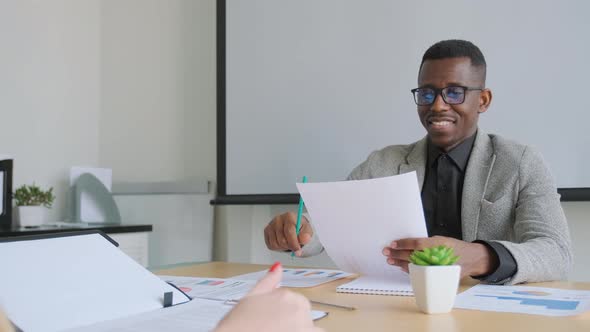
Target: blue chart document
(525, 300)
(300, 278)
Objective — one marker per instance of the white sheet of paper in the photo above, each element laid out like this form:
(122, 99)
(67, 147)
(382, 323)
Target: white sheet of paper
(64, 282)
(89, 211)
(211, 288)
(355, 220)
(300, 278)
(525, 300)
(195, 316)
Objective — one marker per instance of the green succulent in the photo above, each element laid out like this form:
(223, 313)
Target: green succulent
(33, 196)
(440, 255)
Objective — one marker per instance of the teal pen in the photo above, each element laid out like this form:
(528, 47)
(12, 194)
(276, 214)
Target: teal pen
(299, 212)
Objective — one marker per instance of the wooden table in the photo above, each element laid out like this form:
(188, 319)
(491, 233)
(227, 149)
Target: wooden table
(398, 313)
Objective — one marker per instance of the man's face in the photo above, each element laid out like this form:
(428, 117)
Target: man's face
(448, 125)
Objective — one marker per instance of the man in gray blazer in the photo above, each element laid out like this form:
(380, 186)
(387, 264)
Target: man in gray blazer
(491, 199)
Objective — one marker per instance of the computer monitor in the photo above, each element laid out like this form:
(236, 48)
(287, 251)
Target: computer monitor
(6, 192)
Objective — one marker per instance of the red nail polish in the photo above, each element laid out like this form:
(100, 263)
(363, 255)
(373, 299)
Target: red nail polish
(275, 266)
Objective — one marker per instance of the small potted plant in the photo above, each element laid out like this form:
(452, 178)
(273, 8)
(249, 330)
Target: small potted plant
(31, 202)
(435, 280)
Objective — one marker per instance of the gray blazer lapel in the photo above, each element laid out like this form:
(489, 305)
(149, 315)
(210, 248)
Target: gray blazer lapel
(478, 171)
(416, 161)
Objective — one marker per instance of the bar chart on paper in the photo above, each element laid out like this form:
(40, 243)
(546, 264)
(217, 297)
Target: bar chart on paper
(526, 300)
(211, 288)
(300, 278)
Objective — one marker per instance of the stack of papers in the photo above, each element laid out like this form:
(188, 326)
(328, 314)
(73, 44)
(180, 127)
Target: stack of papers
(300, 278)
(228, 291)
(211, 288)
(236, 287)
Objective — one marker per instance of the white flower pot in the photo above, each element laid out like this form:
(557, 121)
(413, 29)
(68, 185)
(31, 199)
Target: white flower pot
(30, 215)
(435, 287)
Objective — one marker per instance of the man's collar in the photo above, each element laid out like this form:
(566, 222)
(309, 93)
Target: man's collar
(459, 154)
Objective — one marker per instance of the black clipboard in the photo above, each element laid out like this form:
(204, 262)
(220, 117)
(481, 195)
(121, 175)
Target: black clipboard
(58, 235)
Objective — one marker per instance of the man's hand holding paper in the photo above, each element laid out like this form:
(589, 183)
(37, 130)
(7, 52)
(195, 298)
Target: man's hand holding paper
(474, 258)
(341, 211)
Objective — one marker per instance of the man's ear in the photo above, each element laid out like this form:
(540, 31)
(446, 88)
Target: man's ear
(485, 99)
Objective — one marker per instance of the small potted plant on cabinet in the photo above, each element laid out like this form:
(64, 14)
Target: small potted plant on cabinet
(435, 280)
(31, 202)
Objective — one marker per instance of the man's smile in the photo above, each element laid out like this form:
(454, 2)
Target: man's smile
(440, 123)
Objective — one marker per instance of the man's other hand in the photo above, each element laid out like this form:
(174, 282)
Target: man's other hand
(475, 259)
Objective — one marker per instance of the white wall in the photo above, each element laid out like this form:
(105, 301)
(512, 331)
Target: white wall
(126, 84)
(157, 118)
(49, 90)
(182, 225)
(578, 216)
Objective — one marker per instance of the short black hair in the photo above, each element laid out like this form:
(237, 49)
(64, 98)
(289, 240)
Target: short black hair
(455, 48)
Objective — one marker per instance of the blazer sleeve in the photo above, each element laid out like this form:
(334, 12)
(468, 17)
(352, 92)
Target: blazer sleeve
(542, 244)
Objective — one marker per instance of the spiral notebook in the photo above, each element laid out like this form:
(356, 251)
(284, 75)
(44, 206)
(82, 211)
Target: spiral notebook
(377, 286)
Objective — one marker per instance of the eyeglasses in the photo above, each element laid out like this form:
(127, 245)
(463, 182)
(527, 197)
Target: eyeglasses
(452, 95)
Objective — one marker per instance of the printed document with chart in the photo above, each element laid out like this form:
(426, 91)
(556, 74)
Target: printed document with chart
(356, 219)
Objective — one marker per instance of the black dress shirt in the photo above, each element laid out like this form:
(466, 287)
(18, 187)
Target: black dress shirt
(441, 199)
